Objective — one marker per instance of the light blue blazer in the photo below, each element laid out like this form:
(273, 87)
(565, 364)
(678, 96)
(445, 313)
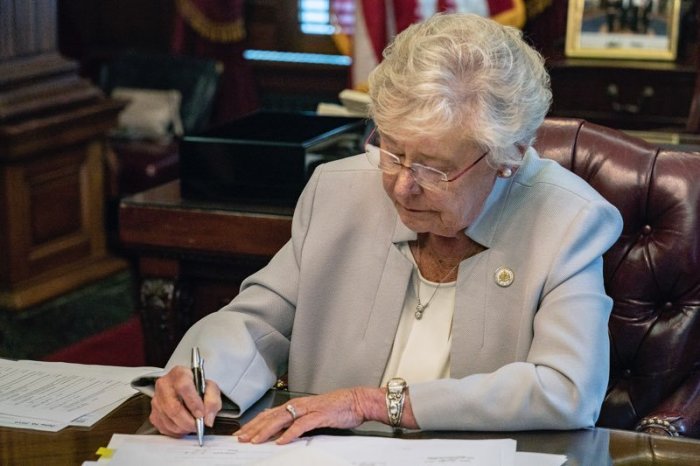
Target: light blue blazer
(532, 355)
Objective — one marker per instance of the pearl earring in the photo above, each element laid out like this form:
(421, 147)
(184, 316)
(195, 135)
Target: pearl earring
(505, 172)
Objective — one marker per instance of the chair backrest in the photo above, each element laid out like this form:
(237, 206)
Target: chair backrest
(652, 272)
(197, 79)
(693, 125)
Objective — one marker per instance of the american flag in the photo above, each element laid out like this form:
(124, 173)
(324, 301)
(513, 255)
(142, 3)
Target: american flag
(375, 22)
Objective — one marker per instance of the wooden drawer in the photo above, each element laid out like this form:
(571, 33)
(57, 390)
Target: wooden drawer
(627, 95)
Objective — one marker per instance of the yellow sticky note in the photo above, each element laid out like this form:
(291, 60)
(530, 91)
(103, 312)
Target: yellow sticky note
(104, 452)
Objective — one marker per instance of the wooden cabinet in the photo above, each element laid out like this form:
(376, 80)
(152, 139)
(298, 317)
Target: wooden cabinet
(298, 86)
(52, 234)
(646, 95)
(52, 129)
(624, 94)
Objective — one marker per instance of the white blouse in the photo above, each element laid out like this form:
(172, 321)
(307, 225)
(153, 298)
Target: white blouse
(421, 350)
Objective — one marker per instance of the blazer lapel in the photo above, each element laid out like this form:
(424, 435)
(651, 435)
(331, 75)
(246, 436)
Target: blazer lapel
(388, 304)
(475, 282)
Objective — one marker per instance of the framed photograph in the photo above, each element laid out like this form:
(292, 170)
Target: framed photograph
(634, 29)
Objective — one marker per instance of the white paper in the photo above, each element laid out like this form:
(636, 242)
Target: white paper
(354, 450)
(378, 451)
(24, 422)
(154, 450)
(218, 450)
(526, 458)
(52, 395)
(308, 456)
(88, 419)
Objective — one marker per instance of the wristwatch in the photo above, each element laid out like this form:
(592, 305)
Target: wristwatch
(395, 397)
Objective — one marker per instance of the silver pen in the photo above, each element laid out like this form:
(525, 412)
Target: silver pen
(200, 385)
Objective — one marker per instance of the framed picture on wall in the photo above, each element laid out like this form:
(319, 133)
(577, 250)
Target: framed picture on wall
(634, 29)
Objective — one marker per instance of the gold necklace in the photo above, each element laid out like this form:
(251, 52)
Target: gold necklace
(420, 307)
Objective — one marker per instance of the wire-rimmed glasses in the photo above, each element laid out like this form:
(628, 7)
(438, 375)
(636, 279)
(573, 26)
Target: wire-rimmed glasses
(427, 177)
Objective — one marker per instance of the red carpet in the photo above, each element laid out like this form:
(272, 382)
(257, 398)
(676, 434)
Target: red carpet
(121, 345)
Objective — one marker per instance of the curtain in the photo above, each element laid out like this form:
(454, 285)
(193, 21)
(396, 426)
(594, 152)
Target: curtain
(215, 29)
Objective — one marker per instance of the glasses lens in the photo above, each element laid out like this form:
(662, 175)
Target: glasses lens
(388, 162)
(385, 161)
(427, 178)
(373, 154)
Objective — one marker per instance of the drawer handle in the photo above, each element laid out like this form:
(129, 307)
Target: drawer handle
(628, 108)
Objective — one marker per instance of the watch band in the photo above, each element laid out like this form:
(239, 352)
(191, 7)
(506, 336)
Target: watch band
(395, 397)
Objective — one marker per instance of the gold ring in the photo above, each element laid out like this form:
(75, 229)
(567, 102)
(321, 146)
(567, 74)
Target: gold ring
(290, 409)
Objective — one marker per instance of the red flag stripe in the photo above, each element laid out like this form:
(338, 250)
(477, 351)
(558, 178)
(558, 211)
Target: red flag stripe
(499, 6)
(374, 16)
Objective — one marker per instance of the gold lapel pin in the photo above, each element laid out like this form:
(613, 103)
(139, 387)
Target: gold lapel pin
(504, 276)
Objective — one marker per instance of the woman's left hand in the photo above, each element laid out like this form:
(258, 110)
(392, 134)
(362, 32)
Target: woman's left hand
(340, 409)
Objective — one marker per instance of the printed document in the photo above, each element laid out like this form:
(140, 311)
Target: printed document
(218, 450)
(53, 395)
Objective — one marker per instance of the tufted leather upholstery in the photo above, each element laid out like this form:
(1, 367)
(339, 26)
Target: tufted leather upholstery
(652, 272)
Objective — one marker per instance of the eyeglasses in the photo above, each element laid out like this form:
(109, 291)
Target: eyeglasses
(427, 177)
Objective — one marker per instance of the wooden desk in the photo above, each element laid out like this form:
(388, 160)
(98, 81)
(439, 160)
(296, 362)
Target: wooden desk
(598, 446)
(191, 257)
(72, 445)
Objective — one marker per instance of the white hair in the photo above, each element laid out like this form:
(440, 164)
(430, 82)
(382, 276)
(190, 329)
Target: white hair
(464, 75)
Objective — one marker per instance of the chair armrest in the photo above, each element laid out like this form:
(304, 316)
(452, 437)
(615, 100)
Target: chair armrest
(679, 414)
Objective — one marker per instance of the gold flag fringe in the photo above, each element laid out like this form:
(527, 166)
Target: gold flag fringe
(214, 31)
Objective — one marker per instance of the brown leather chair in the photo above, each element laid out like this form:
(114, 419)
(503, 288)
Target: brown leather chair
(693, 125)
(652, 272)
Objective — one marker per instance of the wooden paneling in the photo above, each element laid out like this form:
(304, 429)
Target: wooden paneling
(88, 26)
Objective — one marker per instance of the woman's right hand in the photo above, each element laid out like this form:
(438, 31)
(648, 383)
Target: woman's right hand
(176, 403)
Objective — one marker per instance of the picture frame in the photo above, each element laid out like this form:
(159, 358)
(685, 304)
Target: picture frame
(626, 29)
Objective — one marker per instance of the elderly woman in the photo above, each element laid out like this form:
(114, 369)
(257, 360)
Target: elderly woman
(449, 278)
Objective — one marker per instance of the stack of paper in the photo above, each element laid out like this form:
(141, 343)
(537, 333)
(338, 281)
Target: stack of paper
(53, 395)
(354, 104)
(154, 450)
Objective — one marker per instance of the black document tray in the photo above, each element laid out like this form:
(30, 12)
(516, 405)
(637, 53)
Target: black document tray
(265, 157)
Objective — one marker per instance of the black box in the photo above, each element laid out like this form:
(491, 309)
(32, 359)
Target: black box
(265, 157)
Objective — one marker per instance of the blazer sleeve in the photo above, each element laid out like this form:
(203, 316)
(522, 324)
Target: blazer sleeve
(245, 344)
(562, 382)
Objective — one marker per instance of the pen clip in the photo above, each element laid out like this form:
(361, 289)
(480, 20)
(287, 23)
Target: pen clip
(198, 371)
